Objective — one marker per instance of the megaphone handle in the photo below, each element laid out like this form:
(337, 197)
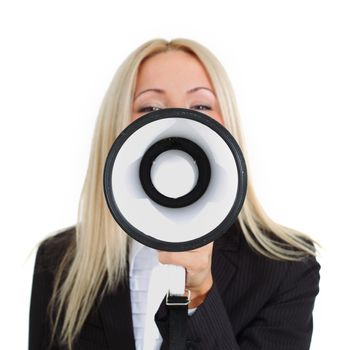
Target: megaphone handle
(177, 304)
(177, 279)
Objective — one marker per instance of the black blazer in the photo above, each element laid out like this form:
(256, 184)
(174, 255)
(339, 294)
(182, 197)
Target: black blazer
(255, 303)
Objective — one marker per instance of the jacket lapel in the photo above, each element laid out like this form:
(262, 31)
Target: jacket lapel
(225, 258)
(116, 316)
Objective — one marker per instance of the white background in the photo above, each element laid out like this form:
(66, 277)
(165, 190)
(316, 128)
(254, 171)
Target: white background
(289, 65)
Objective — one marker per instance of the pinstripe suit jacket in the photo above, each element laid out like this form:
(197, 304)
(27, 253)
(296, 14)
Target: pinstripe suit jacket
(255, 303)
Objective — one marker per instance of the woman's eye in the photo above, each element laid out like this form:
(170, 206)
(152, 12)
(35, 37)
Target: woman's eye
(148, 109)
(202, 107)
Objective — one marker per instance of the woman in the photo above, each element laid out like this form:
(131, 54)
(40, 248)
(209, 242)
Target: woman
(254, 288)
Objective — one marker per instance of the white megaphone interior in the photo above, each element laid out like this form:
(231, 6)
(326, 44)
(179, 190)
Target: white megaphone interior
(175, 224)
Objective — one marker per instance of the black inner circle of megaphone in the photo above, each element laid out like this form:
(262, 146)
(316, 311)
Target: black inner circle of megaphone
(185, 145)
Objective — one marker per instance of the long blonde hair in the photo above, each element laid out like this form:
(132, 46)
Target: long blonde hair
(100, 245)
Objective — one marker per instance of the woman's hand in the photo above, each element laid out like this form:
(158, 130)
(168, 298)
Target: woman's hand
(197, 263)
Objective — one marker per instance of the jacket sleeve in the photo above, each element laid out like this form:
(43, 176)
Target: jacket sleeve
(284, 323)
(208, 328)
(39, 320)
(40, 297)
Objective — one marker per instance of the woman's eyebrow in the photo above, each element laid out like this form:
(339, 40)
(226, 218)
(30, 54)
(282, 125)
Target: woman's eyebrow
(160, 91)
(148, 90)
(199, 88)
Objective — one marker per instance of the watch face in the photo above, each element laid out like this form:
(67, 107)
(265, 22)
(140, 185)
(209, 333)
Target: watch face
(175, 179)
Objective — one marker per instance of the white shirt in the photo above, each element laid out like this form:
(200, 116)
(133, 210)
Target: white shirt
(148, 286)
(142, 261)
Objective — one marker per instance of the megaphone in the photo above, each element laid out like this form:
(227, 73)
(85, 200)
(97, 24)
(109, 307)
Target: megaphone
(175, 179)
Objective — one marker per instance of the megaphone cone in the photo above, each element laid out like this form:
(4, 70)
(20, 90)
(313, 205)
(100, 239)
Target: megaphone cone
(175, 179)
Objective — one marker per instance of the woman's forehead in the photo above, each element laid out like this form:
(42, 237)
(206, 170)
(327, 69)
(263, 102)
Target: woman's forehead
(172, 67)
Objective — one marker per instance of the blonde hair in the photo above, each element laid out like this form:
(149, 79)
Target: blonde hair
(99, 250)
